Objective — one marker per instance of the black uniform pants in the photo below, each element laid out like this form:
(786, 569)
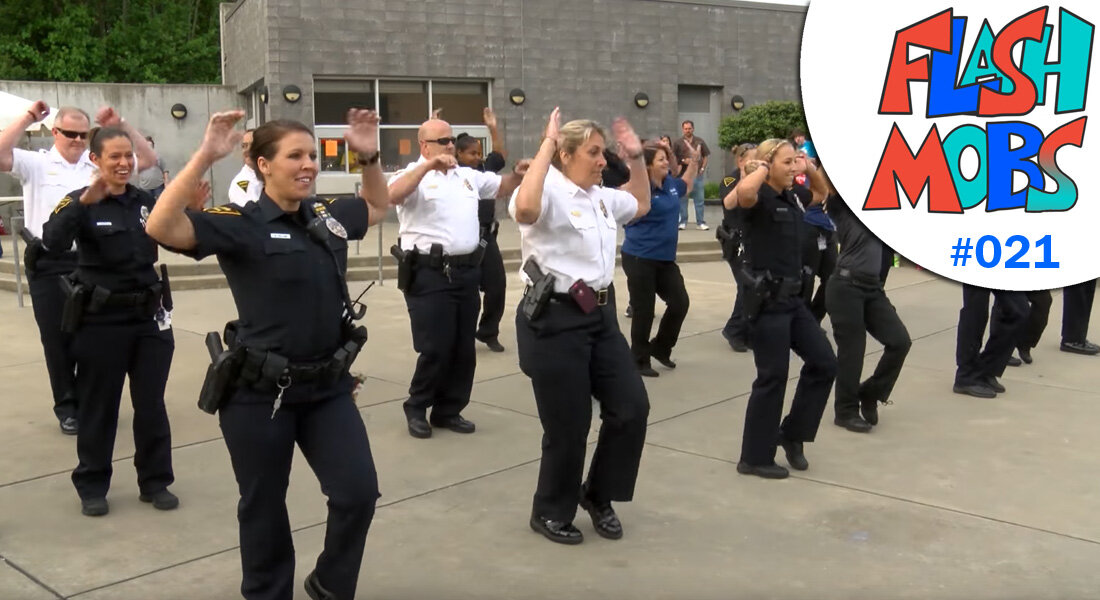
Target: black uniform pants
(1076, 310)
(821, 263)
(572, 357)
(1005, 324)
(1037, 318)
(646, 279)
(106, 353)
(781, 327)
(737, 328)
(494, 280)
(334, 442)
(856, 310)
(48, 303)
(443, 314)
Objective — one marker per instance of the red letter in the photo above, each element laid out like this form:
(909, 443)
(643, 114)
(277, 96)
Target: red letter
(1022, 98)
(928, 167)
(933, 33)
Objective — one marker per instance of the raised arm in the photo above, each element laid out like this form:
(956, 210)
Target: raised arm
(403, 186)
(362, 137)
(688, 175)
(168, 224)
(756, 173)
(528, 202)
(511, 181)
(143, 150)
(11, 134)
(494, 132)
(630, 148)
(818, 186)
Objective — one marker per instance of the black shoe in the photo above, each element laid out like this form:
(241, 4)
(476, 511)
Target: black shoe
(1085, 347)
(556, 531)
(665, 360)
(629, 312)
(492, 342)
(456, 424)
(1014, 362)
(795, 457)
(419, 428)
(162, 500)
(604, 519)
(648, 371)
(314, 589)
(854, 423)
(94, 507)
(978, 390)
(69, 426)
(869, 410)
(1025, 354)
(994, 385)
(772, 471)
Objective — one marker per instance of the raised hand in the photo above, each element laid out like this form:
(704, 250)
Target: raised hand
(489, 117)
(444, 162)
(553, 126)
(437, 112)
(629, 144)
(221, 138)
(521, 167)
(96, 192)
(107, 117)
(39, 110)
(200, 195)
(362, 133)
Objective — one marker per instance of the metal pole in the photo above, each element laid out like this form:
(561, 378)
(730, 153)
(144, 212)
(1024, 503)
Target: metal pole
(16, 227)
(381, 280)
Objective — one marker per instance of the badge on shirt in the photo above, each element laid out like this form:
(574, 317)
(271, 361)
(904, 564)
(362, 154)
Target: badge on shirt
(333, 225)
(603, 208)
(466, 182)
(144, 215)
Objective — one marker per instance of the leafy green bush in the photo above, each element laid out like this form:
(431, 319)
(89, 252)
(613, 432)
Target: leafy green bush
(710, 189)
(759, 122)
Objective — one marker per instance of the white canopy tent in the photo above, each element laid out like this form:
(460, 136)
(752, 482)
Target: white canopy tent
(12, 106)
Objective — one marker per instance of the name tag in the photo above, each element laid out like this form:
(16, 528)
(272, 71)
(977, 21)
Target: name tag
(280, 236)
(103, 223)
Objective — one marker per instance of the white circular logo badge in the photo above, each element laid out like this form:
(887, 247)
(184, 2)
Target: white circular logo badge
(959, 133)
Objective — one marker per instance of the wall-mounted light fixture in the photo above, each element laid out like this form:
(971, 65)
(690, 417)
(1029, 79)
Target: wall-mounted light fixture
(517, 97)
(641, 100)
(179, 111)
(737, 102)
(292, 93)
(263, 94)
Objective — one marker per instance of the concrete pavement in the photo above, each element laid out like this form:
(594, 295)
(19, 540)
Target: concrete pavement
(949, 497)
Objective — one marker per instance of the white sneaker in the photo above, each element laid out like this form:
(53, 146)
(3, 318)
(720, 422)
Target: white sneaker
(703, 227)
(683, 226)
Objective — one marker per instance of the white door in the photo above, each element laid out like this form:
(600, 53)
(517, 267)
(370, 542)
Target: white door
(703, 106)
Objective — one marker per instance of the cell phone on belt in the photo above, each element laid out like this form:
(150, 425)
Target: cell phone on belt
(584, 296)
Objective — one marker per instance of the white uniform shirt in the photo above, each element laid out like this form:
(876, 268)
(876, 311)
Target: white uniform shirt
(246, 187)
(575, 234)
(443, 209)
(47, 177)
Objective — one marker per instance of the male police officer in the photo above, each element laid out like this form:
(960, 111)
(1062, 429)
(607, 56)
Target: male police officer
(441, 251)
(245, 187)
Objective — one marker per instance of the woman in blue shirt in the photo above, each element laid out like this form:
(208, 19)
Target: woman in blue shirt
(649, 260)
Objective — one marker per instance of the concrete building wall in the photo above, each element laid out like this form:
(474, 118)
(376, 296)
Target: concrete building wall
(244, 42)
(147, 107)
(588, 56)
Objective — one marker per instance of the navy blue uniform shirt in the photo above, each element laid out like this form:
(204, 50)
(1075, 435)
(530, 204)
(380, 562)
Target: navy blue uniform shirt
(773, 233)
(654, 236)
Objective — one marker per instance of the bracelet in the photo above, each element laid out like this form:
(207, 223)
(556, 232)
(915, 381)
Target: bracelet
(369, 160)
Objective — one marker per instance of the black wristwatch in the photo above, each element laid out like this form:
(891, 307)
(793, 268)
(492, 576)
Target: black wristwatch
(366, 160)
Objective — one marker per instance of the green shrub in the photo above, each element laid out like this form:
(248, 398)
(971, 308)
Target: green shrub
(710, 189)
(759, 122)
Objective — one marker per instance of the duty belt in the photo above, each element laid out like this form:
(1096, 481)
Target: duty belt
(601, 297)
(472, 259)
(860, 278)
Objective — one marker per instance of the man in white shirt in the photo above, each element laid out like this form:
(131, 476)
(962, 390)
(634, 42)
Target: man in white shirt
(47, 176)
(437, 204)
(246, 187)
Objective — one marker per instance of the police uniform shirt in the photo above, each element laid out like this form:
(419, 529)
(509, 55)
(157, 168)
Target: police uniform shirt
(246, 187)
(729, 215)
(860, 250)
(284, 282)
(574, 236)
(114, 251)
(654, 236)
(487, 207)
(444, 209)
(47, 177)
(773, 232)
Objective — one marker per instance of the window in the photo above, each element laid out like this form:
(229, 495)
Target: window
(403, 102)
(462, 102)
(332, 99)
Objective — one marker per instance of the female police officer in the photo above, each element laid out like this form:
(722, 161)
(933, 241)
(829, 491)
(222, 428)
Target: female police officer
(284, 257)
(572, 348)
(779, 319)
(120, 325)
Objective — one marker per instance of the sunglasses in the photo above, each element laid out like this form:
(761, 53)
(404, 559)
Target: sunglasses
(443, 141)
(72, 135)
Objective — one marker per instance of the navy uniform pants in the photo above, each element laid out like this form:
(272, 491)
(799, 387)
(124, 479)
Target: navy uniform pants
(646, 280)
(106, 353)
(779, 328)
(48, 303)
(737, 327)
(572, 358)
(1009, 316)
(494, 280)
(1037, 318)
(443, 314)
(332, 438)
(1076, 309)
(856, 310)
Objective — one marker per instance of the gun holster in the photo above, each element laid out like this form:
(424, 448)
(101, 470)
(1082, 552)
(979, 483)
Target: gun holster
(354, 340)
(759, 289)
(34, 251)
(730, 242)
(537, 294)
(76, 298)
(221, 375)
(406, 266)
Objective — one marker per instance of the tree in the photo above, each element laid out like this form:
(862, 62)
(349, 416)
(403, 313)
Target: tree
(775, 119)
(125, 41)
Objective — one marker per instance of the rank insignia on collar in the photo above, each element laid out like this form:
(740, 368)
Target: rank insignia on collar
(222, 210)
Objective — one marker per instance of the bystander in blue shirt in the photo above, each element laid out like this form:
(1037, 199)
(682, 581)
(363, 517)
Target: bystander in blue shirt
(654, 236)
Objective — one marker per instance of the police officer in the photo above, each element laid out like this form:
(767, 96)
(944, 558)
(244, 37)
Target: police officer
(285, 258)
(120, 313)
(977, 368)
(736, 330)
(571, 346)
(1076, 309)
(779, 319)
(440, 240)
(245, 187)
(494, 280)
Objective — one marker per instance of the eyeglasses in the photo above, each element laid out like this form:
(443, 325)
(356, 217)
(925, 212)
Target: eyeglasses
(72, 135)
(443, 141)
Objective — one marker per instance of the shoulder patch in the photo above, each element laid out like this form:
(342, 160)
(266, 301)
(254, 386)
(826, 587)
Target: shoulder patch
(222, 210)
(243, 184)
(67, 200)
(728, 181)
